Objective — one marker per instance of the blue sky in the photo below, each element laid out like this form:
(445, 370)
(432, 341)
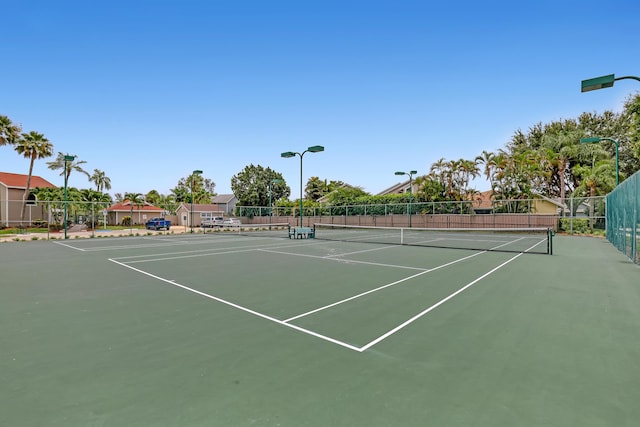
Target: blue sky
(148, 91)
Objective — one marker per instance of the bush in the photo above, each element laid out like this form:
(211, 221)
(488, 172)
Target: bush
(126, 221)
(580, 225)
(40, 223)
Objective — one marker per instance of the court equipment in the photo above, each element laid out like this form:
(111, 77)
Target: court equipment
(529, 240)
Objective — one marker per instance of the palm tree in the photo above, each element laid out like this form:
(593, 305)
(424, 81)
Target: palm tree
(101, 180)
(470, 171)
(488, 159)
(32, 145)
(9, 132)
(561, 148)
(66, 166)
(596, 180)
(168, 203)
(134, 199)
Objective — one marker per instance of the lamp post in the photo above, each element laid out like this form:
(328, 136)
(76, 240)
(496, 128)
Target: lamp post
(288, 154)
(273, 181)
(193, 178)
(603, 82)
(67, 159)
(597, 139)
(410, 173)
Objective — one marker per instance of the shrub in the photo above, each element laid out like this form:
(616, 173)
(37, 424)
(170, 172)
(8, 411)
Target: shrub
(580, 225)
(40, 223)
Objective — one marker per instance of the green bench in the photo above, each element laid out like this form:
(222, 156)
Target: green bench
(302, 232)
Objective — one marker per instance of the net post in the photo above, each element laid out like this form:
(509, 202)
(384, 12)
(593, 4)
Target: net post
(549, 241)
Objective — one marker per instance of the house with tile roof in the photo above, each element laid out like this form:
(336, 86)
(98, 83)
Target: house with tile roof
(12, 190)
(139, 213)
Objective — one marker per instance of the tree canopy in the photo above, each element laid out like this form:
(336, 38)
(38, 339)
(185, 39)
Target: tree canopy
(251, 186)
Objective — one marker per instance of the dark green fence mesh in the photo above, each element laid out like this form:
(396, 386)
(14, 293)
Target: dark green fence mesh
(623, 217)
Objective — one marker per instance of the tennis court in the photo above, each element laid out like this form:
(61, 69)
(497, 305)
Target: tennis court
(227, 329)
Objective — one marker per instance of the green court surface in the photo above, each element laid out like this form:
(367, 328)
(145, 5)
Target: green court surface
(229, 330)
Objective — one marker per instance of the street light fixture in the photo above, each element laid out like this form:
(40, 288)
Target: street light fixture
(597, 139)
(288, 154)
(603, 82)
(66, 175)
(410, 173)
(273, 181)
(193, 178)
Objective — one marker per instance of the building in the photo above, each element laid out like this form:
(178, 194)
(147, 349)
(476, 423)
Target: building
(225, 202)
(140, 213)
(12, 190)
(483, 203)
(199, 212)
(400, 188)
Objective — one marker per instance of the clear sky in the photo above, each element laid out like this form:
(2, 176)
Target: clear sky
(148, 91)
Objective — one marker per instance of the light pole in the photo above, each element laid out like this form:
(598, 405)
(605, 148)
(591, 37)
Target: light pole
(273, 181)
(66, 175)
(597, 139)
(287, 154)
(193, 178)
(603, 82)
(410, 173)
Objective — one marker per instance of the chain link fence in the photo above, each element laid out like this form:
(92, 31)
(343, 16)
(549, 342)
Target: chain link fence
(583, 215)
(574, 216)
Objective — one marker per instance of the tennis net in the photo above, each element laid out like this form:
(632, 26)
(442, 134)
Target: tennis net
(530, 240)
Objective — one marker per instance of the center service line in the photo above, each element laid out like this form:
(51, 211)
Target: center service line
(239, 307)
(442, 301)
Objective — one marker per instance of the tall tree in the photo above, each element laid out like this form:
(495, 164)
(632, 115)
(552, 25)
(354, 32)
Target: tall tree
(135, 199)
(251, 186)
(101, 180)
(315, 188)
(195, 184)
(488, 160)
(9, 132)
(560, 149)
(33, 146)
(153, 197)
(59, 164)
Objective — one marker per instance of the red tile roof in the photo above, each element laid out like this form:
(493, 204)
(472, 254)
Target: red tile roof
(483, 200)
(16, 180)
(125, 206)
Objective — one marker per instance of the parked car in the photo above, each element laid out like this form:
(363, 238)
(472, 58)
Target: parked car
(231, 222)
(217, 221)
(158, 223)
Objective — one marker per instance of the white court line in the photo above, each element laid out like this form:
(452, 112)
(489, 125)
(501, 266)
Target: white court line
(136, 246)
(69, 246)
(439, 303)
(324, 337)
(332, 258)
(239, 307)
(194, 254)
(363, 251)
(381, 287)
(442, 301)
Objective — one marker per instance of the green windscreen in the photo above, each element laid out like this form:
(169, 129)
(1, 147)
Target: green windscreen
(623, 217)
